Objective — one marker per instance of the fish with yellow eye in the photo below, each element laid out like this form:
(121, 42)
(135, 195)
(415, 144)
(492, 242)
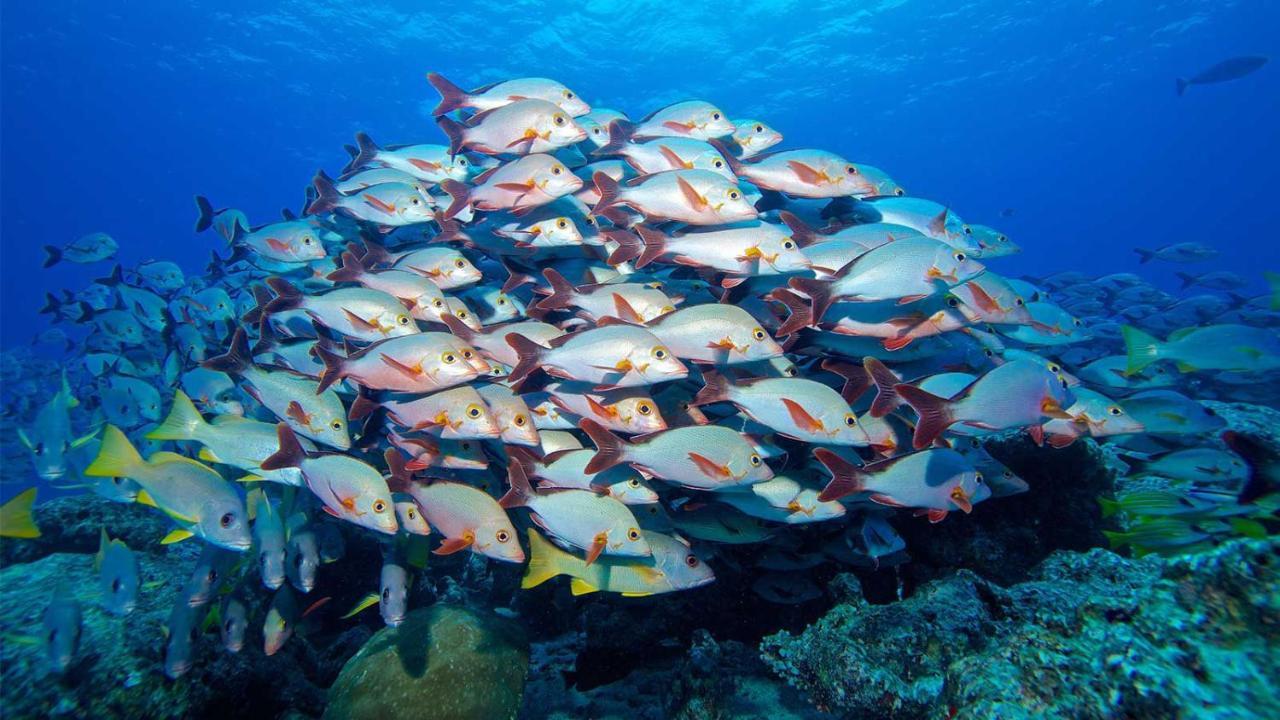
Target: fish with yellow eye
(798, 408)
(350, 489)
(612, 356)
(742, 250)
(523, 184)
(697, 119)
(628, 410)
(357, 312)
(456, 413)
(696, 197)
(632, 302)
(804, 173)
(420, 363)
(523, 127)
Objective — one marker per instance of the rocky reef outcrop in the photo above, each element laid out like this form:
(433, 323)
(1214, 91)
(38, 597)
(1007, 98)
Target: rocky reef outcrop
(1089, 635)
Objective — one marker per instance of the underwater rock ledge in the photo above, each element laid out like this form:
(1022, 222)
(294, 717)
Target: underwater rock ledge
(1092, 635)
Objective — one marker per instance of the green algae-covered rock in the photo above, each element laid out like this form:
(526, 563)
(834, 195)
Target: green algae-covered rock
(442, 663)
(1091, 635)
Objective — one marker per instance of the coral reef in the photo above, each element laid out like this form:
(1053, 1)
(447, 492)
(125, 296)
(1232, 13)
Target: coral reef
(445, 661)
(1090, 635)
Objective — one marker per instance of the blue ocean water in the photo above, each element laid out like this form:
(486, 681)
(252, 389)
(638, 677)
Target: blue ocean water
(115, 114)
(1057, 124)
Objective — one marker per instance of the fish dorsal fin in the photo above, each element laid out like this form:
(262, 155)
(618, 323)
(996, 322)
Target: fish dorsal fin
(164, 456)
(1179, 334)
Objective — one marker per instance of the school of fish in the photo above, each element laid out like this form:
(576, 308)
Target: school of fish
(603, 347)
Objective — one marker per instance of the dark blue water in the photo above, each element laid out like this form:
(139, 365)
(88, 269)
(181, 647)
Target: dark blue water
(114, 114)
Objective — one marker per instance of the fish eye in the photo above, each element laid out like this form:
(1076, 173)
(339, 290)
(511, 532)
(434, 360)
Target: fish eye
(953, 302)
(788, 245)
(115, 585)
(462, 162)
(1008, 474)
(989, 352)
(562, 223)
(228, 625)
(556, 169)
(402, 319)
(411, 514)
(968, 230)
(226, 521)
(1115, 410)
(519, 420)
(851, 420)
(559, 119)
(379, 506)
(468, 354)
(306, 240)
(1018, 302)
(1210, 412)
(633, 534)
(213, 572)
(449, 358)
(462, 315)
(977, 478)
(633, 483)
(718, 164)
(1053, 368)
(474, 411)
(899, 192)
(734, 194)
(691, 560)
(715, 116)
(960, 257)
(755, 460)
(595, 131)
(502, 301)
(1077, 323)
(851, 170)
(459, 263)
(386, 594)
(568, 95)
(660, 353)
(336, 424)
(503, 536)
(1002, 238)
(758, 334)
(644, 408)
(466, 446)
(759, 128)
(437, 303)
(790, 372)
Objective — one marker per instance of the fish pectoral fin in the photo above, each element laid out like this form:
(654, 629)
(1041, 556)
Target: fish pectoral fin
(670, 156)
(598, 409)
(625, 310)
(82, 441)
(937, 516)
(379, 204)
(410, 372)
(358, 322)
(277, 244)
(802, 418)
(578, 586)
(805, 173)
(176, 536)
(697, 201)
(295, 412)
(709, 467)
(680, 127)
(453, 545)
(597, 547)
(882, 499)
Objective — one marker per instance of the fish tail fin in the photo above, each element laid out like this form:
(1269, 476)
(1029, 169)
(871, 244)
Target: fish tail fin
(1116, 539)
(528, 353)
(349, 269)
(545, 561)
(204, 213)
(629, 246)
(287, 297)
(856, 378)
(327, 195)
(182, 423)
(882, 377)
(1141, 349)
(819, 292)
(1273, 280)
(1181, 86)
(459, 196)
(715, 388)
(334, 368)
(801, 233)
(455, 131)
(256, 314)
(452, 97)
(799, 314)
(1144, 255)
(290, 453)
(655, 245)
(115, 279)
(237, 358)
(366, 151)
(401, 478)
(562, 291)
(934, 413)
(117, 457)
(51, 306)
(16, 520)
(52, 256)
(610, 449)
(1187, 280)
(610, 193)
(521, 491)
(450, 230)
(1109, 507)
(846, 478)
(619, 137)
(363, 406)
(735, 164)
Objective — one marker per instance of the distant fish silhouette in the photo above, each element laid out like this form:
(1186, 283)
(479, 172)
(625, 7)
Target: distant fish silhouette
(1007, 212)
(1227, 70)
